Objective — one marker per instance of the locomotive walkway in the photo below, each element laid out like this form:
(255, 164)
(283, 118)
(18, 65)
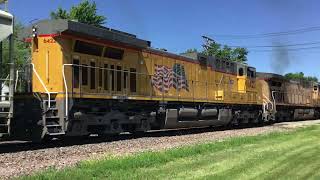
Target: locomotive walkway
(25, 158)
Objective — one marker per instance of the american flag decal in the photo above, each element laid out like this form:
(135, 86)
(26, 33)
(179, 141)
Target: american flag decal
(166, 77)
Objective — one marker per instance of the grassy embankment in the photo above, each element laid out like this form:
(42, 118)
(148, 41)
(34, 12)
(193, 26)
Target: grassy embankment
(283, 155)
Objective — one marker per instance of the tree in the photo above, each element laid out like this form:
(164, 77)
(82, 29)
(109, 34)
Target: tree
(215, 49)
(21, 51)
(300, 77)
(239, 54)
(60, 14)
(85, 12)
(225, 53)
(194, 50)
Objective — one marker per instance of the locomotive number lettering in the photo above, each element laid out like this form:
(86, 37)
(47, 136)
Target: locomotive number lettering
(51, 40)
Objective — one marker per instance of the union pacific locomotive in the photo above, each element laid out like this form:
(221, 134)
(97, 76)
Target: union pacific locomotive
(84, 80)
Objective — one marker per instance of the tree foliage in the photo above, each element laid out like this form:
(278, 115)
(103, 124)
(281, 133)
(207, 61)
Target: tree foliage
(85, 12)
(21, 54)
(225, 52)
(300, 77)
(194, 50)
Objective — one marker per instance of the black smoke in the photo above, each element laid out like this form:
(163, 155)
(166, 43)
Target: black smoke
(280, 58)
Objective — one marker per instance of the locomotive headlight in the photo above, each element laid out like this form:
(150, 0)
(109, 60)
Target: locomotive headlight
(34, 31)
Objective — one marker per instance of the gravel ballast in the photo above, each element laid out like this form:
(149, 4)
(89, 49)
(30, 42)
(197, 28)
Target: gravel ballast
(27, 160)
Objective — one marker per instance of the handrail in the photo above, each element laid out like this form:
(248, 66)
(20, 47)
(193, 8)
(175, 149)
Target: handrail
(16, 83)
(268, 101)
(264, 104)
(43, 85)
(274, 100)
(66, 87)
(5, 80)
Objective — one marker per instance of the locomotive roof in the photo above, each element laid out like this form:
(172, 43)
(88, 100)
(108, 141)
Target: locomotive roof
(265, 75)
(60, 26)
(67, 27)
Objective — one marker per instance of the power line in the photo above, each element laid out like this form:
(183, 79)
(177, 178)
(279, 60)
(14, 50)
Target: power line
(272, 34)
(276, 46)
(292, 49)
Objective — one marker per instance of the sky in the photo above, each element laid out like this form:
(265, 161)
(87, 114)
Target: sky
(178, 25)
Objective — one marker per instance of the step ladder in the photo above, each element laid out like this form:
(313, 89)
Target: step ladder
(5, 116)
(51, 120)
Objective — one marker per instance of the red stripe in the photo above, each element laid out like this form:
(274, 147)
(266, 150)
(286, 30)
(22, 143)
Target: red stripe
(122, 45)
(48, 35)
(41, 35)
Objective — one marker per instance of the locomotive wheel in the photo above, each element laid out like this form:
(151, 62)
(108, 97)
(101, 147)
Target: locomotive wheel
(142, 127)
(115, 127)
(145, 125)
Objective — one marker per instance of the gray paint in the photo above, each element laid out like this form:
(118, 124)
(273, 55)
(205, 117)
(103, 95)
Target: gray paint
(100, 33)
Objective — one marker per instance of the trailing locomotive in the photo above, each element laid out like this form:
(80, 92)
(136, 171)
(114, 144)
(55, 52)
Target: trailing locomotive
(86, 80)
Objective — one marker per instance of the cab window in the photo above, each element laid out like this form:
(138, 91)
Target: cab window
(240, 72)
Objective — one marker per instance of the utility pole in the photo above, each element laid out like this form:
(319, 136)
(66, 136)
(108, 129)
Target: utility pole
(208, 41)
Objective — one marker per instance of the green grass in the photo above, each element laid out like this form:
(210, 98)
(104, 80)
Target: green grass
(286, 155)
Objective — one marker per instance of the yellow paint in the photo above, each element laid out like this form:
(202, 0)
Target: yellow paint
(204, 84)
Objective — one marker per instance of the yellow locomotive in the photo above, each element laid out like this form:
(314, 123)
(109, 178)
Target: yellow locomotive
(86, 80)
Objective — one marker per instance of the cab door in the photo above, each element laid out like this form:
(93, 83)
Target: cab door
(241, 78)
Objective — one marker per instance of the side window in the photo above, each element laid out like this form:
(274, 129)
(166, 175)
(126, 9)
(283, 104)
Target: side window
(240, 72)
(133, 80)
(113, 53)
(276, 84)
(112, 76)
(203, 61)
(251, 72)
(84, 74)
(87, 48)
(125, 79)
(100, 77)
(119, 78)
(76, 73)
(106, 77)
(93, 75)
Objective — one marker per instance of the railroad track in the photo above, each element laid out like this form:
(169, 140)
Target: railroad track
(17, 158)
(18, 146)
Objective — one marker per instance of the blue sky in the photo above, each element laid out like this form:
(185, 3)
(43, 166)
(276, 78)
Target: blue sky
(178, 25)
